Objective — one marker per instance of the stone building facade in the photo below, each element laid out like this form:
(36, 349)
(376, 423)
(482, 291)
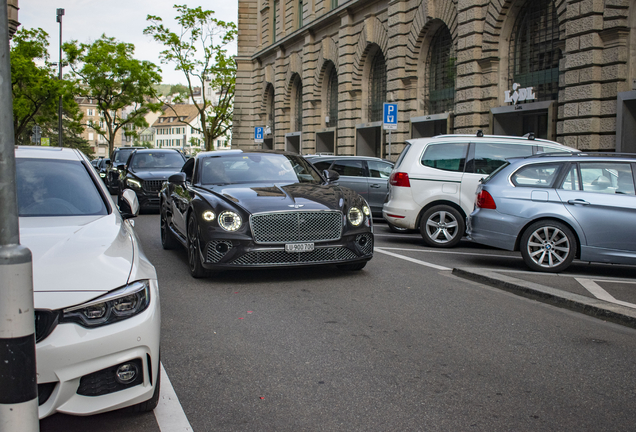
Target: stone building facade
(315, 73)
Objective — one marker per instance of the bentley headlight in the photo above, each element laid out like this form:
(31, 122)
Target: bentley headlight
(229, 221)
(355, 216)
(117, 305)
(135, 184)
(208, 215)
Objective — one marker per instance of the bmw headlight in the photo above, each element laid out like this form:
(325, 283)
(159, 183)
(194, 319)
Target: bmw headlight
(135, 184)
(117, 305)
(355, 216)
(208, 215)
(229, 220)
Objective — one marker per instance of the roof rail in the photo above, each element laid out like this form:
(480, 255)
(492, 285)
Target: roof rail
(529, 135)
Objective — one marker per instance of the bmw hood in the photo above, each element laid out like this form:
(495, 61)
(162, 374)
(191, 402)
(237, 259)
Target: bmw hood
(274, 197)
(79, 253)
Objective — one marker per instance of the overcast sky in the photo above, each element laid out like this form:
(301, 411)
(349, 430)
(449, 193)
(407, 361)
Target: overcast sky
(125, 20)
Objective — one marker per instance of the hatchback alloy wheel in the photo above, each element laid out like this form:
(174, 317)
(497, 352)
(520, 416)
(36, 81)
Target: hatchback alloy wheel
(442, 226)
(548, 246)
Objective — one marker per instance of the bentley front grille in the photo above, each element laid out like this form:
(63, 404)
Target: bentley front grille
(319, 255)
(217, 250)
(296, 226)
(153, 185)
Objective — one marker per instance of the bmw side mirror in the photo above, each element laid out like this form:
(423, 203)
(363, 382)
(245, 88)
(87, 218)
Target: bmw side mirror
(129, 204)
(178, 178)
(331, 175)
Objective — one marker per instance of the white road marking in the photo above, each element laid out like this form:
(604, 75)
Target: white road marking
(600, 293)
(169, 413)
(438, 251)
(413, 260)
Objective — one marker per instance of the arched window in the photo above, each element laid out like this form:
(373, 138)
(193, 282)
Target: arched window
(535, 50)
(298, 104)
(270, 109)
(332, 98)
(377, 89)
(442, 71)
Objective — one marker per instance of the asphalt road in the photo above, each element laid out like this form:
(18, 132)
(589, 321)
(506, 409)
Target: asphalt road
(401, 345)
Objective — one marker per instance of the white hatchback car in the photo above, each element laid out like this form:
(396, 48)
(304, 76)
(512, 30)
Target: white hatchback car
(97, 315)
(433, 183)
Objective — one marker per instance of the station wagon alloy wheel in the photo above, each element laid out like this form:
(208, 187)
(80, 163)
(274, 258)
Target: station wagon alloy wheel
(548, 246)
(442, 226)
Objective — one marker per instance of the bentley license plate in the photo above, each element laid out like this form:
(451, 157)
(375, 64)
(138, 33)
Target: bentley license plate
(299, 247)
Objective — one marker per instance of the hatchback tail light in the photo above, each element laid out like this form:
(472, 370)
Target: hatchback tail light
(399, 179)
(484, 200)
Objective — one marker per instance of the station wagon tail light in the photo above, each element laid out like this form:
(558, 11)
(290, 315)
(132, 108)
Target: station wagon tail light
(400, 179)
(484, 200)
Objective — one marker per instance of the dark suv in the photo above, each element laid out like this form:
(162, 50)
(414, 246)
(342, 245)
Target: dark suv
(119, 156)
(145, 171)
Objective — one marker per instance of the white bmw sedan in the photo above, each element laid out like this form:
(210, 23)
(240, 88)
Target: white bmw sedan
(97, 317)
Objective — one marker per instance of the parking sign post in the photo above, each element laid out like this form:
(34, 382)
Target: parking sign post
(389, 121)
(258, 135)
(18, 379)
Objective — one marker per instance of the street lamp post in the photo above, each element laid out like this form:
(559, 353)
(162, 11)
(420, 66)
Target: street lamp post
(60, 12)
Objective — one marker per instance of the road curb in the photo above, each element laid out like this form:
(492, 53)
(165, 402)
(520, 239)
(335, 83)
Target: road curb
(590, 306)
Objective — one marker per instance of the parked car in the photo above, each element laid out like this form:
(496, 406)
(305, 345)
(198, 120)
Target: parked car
(557, 208)
(119, 156)
(256, 209)
(101, 167)
(432, 186)
(146, 170)
(369, 176)
(97, 314)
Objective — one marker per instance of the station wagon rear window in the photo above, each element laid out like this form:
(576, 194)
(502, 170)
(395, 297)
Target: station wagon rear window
(536, 175)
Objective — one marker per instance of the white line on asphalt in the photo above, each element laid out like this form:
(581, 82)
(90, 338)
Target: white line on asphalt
(169, 413)
(413, 260)
(600, 293)
(438, 251)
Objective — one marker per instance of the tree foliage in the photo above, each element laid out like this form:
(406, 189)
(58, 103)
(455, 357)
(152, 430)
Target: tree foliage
(36, 89)
(122, 86)
(198, 49)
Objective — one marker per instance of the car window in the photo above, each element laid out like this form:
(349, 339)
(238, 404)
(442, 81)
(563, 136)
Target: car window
(447, 156)
(490, 156)
(536, 175)
(56, 188)
(379, 169)
(322, 165)
(546, 149)
(352, 168)
(121, 156)
(400, 158)
(571, 180)
(157, 160)
(607, 177)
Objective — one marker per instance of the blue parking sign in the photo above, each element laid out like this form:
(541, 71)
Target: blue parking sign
(258, 134)
(390, 116)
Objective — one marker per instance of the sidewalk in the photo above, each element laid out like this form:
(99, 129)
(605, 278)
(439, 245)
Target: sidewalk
(604, 298)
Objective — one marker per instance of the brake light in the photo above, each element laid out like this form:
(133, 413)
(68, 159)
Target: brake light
(400, 179)
(484, 200)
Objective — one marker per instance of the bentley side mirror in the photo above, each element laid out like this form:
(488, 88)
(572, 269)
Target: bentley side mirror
(129, 204)
(177, 178)
(330, 175)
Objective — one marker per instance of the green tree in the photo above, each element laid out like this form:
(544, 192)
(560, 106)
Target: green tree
(199, 51)
(122, 86)
(36, 89)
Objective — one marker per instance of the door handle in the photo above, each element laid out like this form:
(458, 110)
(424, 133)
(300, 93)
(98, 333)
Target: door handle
(377, 186)
(578, 201)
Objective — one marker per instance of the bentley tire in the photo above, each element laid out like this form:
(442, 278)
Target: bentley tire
(194, 254)
(167, 238)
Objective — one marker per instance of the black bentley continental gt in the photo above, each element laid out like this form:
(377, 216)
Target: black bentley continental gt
(260, 209)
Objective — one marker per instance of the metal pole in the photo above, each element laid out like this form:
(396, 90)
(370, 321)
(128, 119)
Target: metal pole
(389, 158)
(18, 382)
(60, 12)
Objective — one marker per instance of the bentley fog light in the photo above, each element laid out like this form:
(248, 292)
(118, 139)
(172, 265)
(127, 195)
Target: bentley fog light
(126, 373)
(208, 216)
(355, 216)
(229, 221)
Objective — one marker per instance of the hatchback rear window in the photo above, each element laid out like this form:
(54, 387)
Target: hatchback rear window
(447, 156)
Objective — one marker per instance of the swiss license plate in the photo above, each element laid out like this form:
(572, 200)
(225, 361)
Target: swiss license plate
(299, 247)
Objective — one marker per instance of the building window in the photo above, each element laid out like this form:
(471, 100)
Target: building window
(332, 98)
(377, 90)
(334, 4)
(298, 104)
(90, 112)
(535, 50)
(442, 71)
(300, 13)
(274, 20)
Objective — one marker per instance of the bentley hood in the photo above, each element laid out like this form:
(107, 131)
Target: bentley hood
(277, 197)
(82, 254)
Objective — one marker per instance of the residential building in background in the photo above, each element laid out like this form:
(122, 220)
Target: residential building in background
(316, 73)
